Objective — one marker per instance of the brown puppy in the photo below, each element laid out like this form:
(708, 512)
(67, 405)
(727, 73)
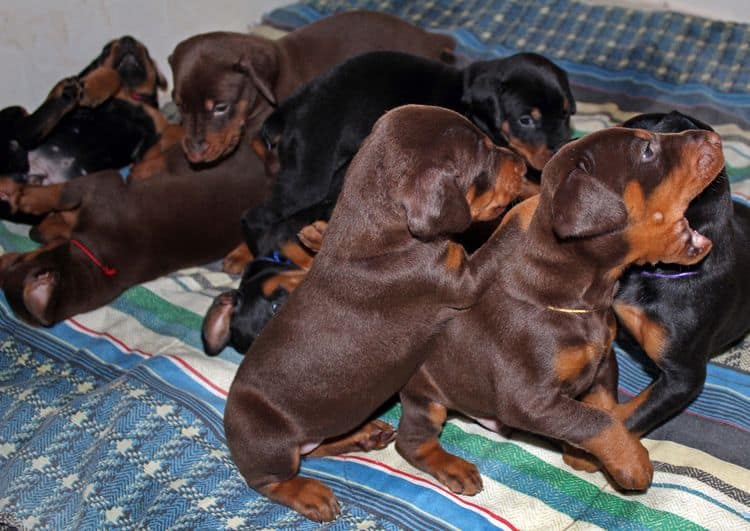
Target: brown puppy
(125, 234)
(541, 333)
(386, 276)
(227, 82)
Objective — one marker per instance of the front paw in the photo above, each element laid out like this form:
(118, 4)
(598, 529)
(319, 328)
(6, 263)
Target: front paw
(578, 459)
(72, 90)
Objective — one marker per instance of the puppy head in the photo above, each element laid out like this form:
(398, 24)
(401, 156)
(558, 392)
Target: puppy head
(627, 190)
(221, 79)
(139, 75)
(447, 173)
(237, 317)
(524, 100)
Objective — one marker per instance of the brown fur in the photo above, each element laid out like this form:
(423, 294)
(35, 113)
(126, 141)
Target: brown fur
(346, 339)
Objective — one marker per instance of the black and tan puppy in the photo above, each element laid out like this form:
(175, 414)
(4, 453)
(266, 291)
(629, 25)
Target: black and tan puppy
(225, 83)
(386, 276)
(523, 101)
(123, 234)
(652, 304)
(106, 117)
(611, 199)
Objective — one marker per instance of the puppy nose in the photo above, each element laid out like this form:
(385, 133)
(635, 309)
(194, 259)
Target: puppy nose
(194, 147)
(128, 41)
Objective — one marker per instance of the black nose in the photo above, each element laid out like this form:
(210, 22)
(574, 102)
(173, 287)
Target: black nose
(128, 42)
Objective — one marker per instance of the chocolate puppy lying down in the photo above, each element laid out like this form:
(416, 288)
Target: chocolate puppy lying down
(384, 280)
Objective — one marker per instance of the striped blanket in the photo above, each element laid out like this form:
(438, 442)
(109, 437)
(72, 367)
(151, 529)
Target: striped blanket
(113, 419)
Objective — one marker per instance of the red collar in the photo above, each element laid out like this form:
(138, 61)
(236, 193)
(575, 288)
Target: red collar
(109, 271)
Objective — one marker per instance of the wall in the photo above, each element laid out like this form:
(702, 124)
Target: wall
(42, 41)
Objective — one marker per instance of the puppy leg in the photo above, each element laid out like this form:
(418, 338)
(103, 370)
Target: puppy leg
(417, 441)
(597, 432)
(63, 98)
(682, 366)
(38, 200)
(235, 262)
(603, 395)
(56, 226)
(265, 445)
(99, 85)
(375, 435)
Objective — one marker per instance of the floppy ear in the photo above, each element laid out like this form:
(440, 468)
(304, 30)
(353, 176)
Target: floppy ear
(482, 96)
(216, 331)
(583, 206)
(434, 205)
(261, 66)
(38, 290)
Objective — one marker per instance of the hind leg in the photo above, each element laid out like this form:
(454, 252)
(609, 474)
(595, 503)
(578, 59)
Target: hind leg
(417, 441)
(373, 435)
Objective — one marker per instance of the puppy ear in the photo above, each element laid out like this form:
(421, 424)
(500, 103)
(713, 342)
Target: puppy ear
(216, 332)
(261, 66)
(482, 96)
(38, 290)
(583, 206)
(434, 205)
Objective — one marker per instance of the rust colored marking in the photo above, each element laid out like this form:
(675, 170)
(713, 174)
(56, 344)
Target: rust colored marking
(225, 140)
(37, 199)
(374, 435)
(642, 133)
(622, 455)
(626, 410)
(458, 475)
(298, 255)
(522, 212)
(288, 280)
(312, 235)
(650, 335)
(454, 257)
(570, 361)
(99, 85)
(536, 155)
(307, 496)
(237, 259)
(259, 148)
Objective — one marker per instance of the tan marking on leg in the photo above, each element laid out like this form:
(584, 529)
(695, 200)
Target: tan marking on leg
(374, 435)
(622, 455)
(34, 199)
(650, 335)
(297, 255)
(235, 262)
(308, 497)
(571, 361)
(522, 213)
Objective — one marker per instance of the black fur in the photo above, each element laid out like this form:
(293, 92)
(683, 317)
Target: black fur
(703, 314)
(317, 131)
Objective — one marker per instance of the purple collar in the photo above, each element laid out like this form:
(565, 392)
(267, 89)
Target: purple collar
(657, 274)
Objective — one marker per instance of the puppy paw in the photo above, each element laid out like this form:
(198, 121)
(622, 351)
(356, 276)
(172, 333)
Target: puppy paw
(10, 192)
(72, 90)
(309, 497)
(311, 236)
(580, 460)
(235, 262)
(458, 475)
(634, 471)
(375, 435)
(36, 200)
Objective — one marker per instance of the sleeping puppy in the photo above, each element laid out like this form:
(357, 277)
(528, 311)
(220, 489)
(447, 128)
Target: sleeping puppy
(237, 316)
(523, 101)
(106, 117)
(384, 280)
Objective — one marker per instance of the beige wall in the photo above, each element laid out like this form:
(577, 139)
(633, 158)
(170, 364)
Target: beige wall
(42, 41)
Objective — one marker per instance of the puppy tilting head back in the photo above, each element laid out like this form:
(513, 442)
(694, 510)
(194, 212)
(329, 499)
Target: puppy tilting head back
(138, 73)
(525, 100)
(634, 185)
(219, 80)
(442, 170)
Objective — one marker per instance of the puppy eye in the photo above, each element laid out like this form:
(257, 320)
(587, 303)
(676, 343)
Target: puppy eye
(275, 307)
(526, 120)
(220, 108)
(648, 153)
(585, 165)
